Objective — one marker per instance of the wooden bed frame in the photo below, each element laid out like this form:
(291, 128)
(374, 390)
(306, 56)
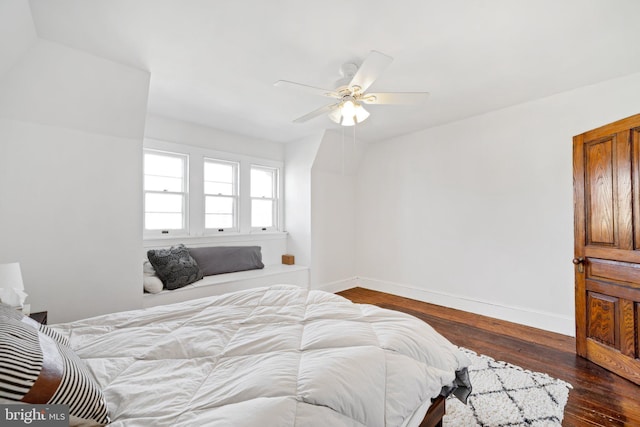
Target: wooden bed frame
(434, 415)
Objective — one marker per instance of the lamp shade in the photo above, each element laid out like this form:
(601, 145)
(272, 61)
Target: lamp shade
(11, 286)
(361, 113)
(349, 113)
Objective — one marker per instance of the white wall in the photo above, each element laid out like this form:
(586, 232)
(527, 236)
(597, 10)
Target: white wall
(17, 32)
(59, 86)
(62, 194)
(299, 157)
(71, 128)
(333, 208)
(181, 132)
(477, 214)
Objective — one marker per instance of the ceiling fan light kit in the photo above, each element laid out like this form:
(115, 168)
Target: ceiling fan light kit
(350, 94)
(349, 112)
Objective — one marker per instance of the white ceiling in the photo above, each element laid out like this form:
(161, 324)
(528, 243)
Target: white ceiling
(214, 62)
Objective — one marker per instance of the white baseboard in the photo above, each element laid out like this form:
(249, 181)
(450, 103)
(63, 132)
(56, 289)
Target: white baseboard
(339, 285)
(538, 319)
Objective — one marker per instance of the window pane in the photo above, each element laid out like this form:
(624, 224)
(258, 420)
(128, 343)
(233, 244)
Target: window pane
(262, 182)
(163, 221)
(218, 188)
(163, 165)
(220, 178)
(158, 202)
(161, 183)
(218, 172)
(261, 213)
(218, 221)
(219, 205)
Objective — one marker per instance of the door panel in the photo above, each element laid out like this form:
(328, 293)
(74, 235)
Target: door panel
(614, 272)
(637, 327)
(635, 176)
(599, 191)
(607, 239)
(602, 319)
(628, 328)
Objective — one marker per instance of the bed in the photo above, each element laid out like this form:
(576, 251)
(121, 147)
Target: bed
(276, 356)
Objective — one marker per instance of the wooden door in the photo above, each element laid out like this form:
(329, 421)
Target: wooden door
(606, 184)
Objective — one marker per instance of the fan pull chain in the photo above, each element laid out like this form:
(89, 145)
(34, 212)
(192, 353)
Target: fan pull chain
(353, 149)
(354, 139)
(343, 153)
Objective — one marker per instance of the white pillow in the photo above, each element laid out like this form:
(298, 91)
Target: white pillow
(152, 284)
(150, 281)
(148, 269)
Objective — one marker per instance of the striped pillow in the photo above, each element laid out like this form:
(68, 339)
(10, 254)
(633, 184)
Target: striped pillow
(12, 313)
(35, 368)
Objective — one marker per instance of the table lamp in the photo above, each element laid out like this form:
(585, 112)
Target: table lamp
(11, 286)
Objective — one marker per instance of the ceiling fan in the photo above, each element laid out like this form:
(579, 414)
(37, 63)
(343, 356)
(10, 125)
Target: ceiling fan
(350, 92)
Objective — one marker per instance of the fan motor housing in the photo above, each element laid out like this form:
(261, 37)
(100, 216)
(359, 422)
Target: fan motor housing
(347, 71)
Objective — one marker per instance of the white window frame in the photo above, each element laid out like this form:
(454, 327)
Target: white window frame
(185, 196)
(275, 206)
(235, 197)
(195, 220)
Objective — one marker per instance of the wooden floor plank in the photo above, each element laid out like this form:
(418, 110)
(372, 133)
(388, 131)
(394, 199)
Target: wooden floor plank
(599, 398)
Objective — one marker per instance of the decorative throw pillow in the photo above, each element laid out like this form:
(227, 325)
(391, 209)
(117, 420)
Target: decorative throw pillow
(174, 266)
(11, 312)
(227, 259)
(34, 368)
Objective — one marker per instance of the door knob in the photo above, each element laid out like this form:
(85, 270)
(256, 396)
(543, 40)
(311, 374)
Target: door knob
(580, 263)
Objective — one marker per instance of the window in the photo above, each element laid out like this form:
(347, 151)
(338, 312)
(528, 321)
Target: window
(264, 198)
(192, 191)
(220, 195)
(165, 191)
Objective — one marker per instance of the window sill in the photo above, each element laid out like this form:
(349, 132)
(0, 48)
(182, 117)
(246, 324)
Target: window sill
(151, 242)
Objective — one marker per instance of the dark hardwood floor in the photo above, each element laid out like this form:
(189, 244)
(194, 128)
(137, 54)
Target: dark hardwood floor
(598, 398)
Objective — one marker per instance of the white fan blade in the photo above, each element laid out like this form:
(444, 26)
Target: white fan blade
(315, 113)
(397, 98)
(307, 88)
(370, 70)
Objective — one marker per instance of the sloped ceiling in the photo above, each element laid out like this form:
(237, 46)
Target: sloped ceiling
(215, 62)
(17, 33)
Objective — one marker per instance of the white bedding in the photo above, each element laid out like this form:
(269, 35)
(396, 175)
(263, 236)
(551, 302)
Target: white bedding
(279, 356)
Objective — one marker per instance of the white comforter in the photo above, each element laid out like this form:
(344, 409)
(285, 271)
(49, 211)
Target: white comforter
(279, 356)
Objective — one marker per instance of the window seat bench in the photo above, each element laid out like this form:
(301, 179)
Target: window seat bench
(218, 284)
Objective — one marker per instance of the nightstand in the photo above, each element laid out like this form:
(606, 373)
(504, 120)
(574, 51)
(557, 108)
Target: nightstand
(40, 317)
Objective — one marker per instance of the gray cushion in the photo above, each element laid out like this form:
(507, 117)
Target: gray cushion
(227, 259)
(174, 266)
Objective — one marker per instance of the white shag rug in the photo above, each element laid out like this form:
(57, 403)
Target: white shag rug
(507, 395)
